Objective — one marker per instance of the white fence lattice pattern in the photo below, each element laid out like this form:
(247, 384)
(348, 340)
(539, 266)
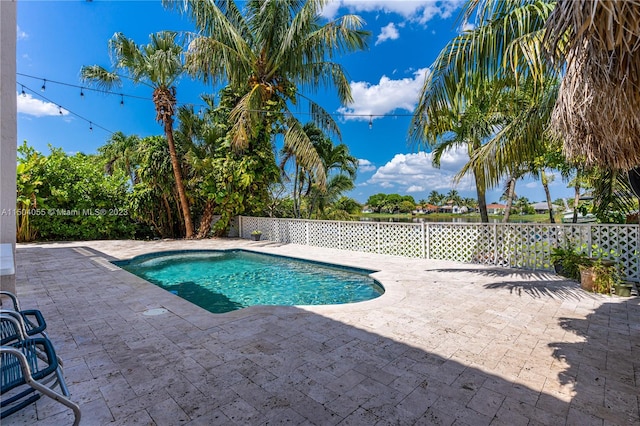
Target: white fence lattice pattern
(525, 246)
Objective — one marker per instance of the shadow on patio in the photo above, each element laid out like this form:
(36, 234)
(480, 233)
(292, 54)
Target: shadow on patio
(274, 365)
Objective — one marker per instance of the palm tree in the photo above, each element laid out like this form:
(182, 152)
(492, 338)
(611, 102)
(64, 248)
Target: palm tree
(467, 118)
(338, 165)
(502, 53)
(596, 114)
(157, 65)
(506, 47)
(268, 51)
(119, 152)
(454, 197)
(435, 198)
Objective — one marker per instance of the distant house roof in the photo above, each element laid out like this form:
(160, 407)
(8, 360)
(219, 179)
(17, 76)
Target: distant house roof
(429, 207)
(496, 206)
(541, 206)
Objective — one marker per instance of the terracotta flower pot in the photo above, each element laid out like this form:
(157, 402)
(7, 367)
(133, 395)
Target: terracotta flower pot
(587, 278)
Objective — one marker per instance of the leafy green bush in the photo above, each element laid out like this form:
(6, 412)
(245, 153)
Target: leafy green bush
(568, 260)
(82, 202)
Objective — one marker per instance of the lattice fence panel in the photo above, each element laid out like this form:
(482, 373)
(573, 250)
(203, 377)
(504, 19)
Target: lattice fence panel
(524, 245)
(249, 224)
(619, 243)
(400, 239)
(514, 245)
(460, 243)
(358, 236)
(324, 233)
(291, 231)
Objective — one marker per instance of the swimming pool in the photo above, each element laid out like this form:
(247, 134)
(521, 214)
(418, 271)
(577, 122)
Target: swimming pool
(226, 280)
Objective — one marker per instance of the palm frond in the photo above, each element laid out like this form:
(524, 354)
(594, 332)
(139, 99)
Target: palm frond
(246, 116)
(100, 77)
(296, 140)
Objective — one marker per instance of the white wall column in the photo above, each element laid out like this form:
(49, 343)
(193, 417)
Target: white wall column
(8, 144)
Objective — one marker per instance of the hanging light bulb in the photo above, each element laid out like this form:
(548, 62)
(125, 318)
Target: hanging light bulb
(82, 92)
(90, 127)
(370, 122)
(24, 95)
(44, 85)
(121, 99)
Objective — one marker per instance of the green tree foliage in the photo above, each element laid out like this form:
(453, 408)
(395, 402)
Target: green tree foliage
(435, 198)
(348, 205)
(154, 201)
(267, 52)
(391, 203)
(227, 181)
(82, 202)
(523, 206)
(29, 182)
(376, 202)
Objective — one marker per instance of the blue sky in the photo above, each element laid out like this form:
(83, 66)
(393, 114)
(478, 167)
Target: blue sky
(56, 38)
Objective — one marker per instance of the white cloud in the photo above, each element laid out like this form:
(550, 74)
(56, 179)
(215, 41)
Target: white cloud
(384, 97)
(27, 104)
(416, 173)
(420, 11)
(388, 32)
(531, 185)
(415, 188)
(365, 165)
(21, 35)
(467, 26)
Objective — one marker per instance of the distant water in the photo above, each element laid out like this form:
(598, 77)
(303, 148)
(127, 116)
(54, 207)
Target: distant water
(461, 219)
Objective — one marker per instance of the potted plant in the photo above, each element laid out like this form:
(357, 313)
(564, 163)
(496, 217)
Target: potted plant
(256, 234)
(623, 289)
(567, 261)
(600, 276)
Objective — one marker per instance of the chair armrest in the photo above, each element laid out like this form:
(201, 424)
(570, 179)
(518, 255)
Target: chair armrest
(13, 297)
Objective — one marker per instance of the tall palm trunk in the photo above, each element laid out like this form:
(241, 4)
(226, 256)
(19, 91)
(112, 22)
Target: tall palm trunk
(482, 201)
(205, 222)
(296, 192)
(165, 101)
(184, 202)
(511, 191)
(576, 201)
(547, 193)
(481, 187)
(576, 194)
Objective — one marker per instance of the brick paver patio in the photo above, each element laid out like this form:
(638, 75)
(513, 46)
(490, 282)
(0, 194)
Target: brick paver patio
(448, 343)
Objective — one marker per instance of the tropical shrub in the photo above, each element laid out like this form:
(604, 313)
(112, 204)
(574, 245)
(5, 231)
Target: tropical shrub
(82, 202)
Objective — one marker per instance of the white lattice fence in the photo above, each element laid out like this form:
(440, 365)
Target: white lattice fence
(399, 239)
(358, 236)
(513, 245)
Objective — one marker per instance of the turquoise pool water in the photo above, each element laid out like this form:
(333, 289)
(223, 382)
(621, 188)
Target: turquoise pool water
(223, 281)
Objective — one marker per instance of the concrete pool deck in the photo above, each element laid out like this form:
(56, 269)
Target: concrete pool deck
(448, 343)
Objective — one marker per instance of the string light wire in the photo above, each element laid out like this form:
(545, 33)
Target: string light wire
(60, 107)
(364, 116)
